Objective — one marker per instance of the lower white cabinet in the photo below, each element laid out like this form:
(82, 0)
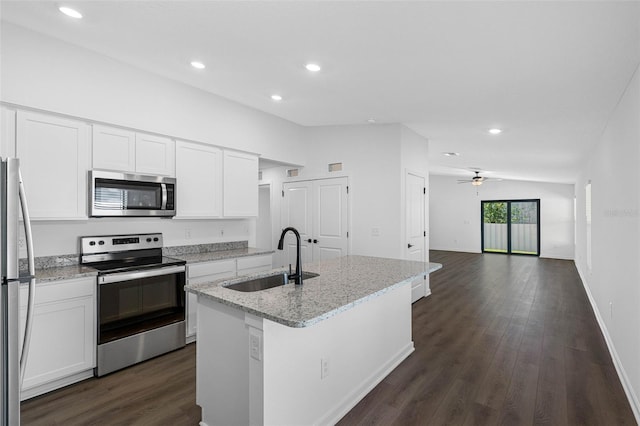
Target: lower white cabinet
(205, 272)
(63, 338)
(253, 264)
(198, 273)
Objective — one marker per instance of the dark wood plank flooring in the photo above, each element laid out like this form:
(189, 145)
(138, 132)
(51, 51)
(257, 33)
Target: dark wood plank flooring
(502, 340)
(508, 340)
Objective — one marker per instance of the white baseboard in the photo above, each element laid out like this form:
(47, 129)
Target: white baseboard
(622, 374)
(55, 384)
(354, 397)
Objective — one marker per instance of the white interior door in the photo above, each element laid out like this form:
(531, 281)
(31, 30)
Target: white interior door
(297, 211)
(318, 209)
(330, 238)
(415, 226)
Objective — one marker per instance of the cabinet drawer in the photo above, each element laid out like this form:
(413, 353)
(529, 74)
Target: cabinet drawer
(214, 270)
(55, 291)
(252, 264)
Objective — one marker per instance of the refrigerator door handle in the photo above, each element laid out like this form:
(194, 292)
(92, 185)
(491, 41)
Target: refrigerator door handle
(26, 220)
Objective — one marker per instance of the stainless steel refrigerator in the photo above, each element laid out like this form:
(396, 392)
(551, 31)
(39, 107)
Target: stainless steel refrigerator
(13, 361)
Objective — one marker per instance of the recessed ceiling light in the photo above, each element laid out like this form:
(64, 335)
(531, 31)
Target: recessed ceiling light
(451, 154)
(198, 65)
(70, 12)
(276, 97)
(371, 120)
(313, 67)
(495, 131)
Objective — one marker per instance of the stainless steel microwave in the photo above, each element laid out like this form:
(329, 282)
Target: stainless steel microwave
(123, 194)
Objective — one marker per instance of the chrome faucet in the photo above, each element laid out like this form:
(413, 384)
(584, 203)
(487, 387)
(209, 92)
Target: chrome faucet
(298, 274)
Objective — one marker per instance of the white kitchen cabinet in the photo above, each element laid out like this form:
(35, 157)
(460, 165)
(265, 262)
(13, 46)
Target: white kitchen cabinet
(155, 155)
(114, 149)
(199, 180)
(54, 157)
(198, 273)
(240, 184)
(7, 132)
(254, 264)
(63, 338)
(206, 272)
(131, 152)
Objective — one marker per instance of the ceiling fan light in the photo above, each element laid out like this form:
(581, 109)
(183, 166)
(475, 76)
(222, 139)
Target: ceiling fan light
(476, 182)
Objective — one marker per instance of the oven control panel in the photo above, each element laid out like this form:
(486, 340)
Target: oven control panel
(114, 243)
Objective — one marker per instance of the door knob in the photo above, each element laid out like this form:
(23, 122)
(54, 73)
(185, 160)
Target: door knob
(409, 245)
(309, 240)
(315, 241)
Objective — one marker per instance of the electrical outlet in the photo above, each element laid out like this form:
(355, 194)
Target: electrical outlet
(222, 232)
(187, 234)
(254, 344)
(324, 368)
(21, 243)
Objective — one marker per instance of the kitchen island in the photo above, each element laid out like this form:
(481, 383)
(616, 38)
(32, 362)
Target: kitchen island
(302, 354)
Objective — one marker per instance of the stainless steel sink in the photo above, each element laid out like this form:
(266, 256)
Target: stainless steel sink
(263, 283)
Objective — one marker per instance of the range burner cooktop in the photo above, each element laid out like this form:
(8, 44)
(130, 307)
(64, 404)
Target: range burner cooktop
(120, 253)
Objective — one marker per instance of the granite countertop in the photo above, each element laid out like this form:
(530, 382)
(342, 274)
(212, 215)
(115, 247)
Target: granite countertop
(210, 256)
(343, 283)
(64, 267)
(58, 273)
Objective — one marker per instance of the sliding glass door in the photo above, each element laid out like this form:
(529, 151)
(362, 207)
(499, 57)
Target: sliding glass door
(511, 226)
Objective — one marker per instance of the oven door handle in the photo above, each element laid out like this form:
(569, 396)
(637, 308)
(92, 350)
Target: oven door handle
(127, 276)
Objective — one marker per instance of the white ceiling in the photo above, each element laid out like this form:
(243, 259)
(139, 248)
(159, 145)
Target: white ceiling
(548, 73)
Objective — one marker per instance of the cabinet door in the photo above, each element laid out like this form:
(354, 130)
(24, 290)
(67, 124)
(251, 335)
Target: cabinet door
(254, 264)
(204, 272)
(63, 339)
(114, 149)
(240, 184)
(54, 159)
(7, 132)
(155, 155)
(199, 180)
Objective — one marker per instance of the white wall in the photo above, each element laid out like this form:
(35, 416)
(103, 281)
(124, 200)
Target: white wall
(613, 283)
(414, 158)
(370, 155)
(45, 73)
(455, 222)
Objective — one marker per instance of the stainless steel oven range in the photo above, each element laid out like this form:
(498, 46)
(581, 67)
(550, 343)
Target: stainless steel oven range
(141, 299)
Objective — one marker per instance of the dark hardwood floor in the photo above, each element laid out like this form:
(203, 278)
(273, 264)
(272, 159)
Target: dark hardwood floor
(509, 340)
(502, 340)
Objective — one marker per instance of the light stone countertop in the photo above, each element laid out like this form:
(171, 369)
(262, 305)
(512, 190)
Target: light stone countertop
(343, 283)
(211, 256)
(62, 273)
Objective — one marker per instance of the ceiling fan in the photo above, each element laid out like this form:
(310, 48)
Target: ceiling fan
(477, 180)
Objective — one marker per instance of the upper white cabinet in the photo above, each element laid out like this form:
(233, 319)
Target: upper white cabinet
(240, 184)
(155, 155)
(54, 159)
(127, 151)
(199, 180)
(114, 149)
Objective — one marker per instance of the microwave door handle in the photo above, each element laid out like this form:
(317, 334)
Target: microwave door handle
(164, 196)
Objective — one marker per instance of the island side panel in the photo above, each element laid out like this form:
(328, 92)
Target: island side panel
(222, 360)
(359, 347)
